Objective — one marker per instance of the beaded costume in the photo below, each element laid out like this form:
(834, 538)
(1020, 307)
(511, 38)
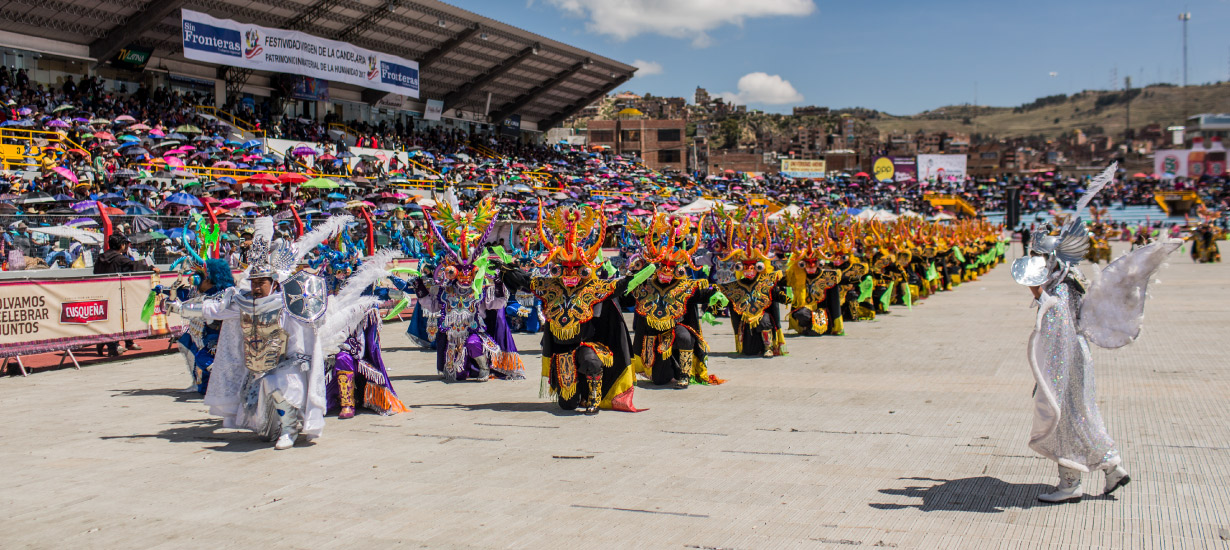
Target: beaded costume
(668, 343)
(472, 338)
(1067, 425)
(586, 361)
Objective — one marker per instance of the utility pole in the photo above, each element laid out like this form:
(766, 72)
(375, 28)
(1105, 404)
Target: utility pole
(1127, 123)
(1184, 18)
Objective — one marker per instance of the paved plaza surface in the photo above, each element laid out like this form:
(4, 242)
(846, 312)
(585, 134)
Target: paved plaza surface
(908, 432)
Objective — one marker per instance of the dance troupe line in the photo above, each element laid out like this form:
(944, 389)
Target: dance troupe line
(299, 335)
(288, 343)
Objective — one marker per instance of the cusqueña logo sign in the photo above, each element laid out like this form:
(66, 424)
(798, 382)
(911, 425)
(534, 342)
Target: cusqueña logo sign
(83, 312)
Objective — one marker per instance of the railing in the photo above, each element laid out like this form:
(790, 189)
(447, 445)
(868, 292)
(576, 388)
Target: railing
(343, 129)
(957, 203)
(215, 173)
(485, 151)
(15, 154)
(233, 120)
(1182, 202)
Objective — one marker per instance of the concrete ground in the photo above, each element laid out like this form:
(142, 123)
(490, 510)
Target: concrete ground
(908, 432)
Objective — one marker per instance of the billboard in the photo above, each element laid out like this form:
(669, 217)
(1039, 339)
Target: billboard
(941, 167)
(800, 168)
(235, 44)
(51, 314)
(894, 169)
(1171, 163)
(434, 110)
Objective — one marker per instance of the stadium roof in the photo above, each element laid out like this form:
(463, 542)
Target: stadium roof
(461, 55)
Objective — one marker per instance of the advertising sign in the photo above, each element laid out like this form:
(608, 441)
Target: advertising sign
(511, 125)
(1170, 163)
(132, 57)
(942, 167)
(434, 110)
(799, 168)
(53, 314)
(894, 169)
(235, 44)
(395, 102)
(311, 89)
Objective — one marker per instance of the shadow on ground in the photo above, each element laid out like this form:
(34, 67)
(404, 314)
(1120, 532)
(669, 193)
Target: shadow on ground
(549, 407)
(201, 431)
(984, 494)
(179, 395)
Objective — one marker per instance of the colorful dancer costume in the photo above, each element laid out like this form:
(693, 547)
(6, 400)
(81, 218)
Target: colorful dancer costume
(1067, 426)
(753, 287)
(473, 340)
(524, 310)
(199, 342)
(666, 326)
(585, 349)
(1204, 238)
(816, 296)
(268, 375)
(350, 335)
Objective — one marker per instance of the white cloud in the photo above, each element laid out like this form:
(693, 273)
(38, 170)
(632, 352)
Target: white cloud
(763, 88)
(647, 68)
(692, 19)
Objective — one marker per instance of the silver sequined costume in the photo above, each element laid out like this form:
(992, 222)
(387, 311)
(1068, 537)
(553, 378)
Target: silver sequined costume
(1067, 426)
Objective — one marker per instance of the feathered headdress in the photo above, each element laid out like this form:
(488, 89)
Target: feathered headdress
(1072, 242)
(459, 233)
(666, 238)
(565, 233)
(352, 306)
(280, 262)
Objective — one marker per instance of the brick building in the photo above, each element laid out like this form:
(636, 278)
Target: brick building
(659, 143)
(720, 161)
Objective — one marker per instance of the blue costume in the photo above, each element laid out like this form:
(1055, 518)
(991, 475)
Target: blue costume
(199, 341)
(524, 309)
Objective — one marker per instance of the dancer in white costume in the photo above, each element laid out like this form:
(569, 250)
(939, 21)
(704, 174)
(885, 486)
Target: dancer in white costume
(1072, 312)
(268, 375)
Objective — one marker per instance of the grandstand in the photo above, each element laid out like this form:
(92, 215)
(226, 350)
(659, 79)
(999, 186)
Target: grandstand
(485, 72)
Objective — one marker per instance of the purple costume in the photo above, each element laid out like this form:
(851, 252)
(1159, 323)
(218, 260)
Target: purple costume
(358, 377)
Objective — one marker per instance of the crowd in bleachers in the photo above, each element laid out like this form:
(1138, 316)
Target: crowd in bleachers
(139, 154)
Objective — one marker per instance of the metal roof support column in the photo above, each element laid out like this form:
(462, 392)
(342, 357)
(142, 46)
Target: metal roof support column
(152, 14)
(524, 99)
(580, 104)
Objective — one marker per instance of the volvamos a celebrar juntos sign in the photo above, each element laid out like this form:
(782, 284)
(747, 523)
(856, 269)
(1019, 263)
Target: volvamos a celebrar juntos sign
(227, 42)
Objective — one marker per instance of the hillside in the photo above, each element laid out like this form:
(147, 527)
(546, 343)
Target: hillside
(1095, 112)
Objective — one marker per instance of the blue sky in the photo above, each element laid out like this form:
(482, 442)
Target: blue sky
(900, 57)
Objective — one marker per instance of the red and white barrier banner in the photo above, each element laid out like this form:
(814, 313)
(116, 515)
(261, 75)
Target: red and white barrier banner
(54, 314)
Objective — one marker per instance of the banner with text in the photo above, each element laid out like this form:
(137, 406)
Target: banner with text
(43, 315)
(236, 44)
(942, 167)
(894, 169)
(800, 168)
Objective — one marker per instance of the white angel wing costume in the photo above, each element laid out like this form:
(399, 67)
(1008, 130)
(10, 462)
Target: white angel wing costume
(1114, 306)
(1067, 425)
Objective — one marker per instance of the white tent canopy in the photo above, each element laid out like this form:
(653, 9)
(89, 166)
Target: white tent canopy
(876, 215)
(77, 234)
(700, 206)
(792, 210)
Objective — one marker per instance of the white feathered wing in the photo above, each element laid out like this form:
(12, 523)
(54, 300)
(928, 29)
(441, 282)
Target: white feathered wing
(1114, 307)
(349, 307)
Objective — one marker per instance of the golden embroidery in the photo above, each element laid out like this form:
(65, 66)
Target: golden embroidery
(566, 308)
(663, 307)
(750, 300)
